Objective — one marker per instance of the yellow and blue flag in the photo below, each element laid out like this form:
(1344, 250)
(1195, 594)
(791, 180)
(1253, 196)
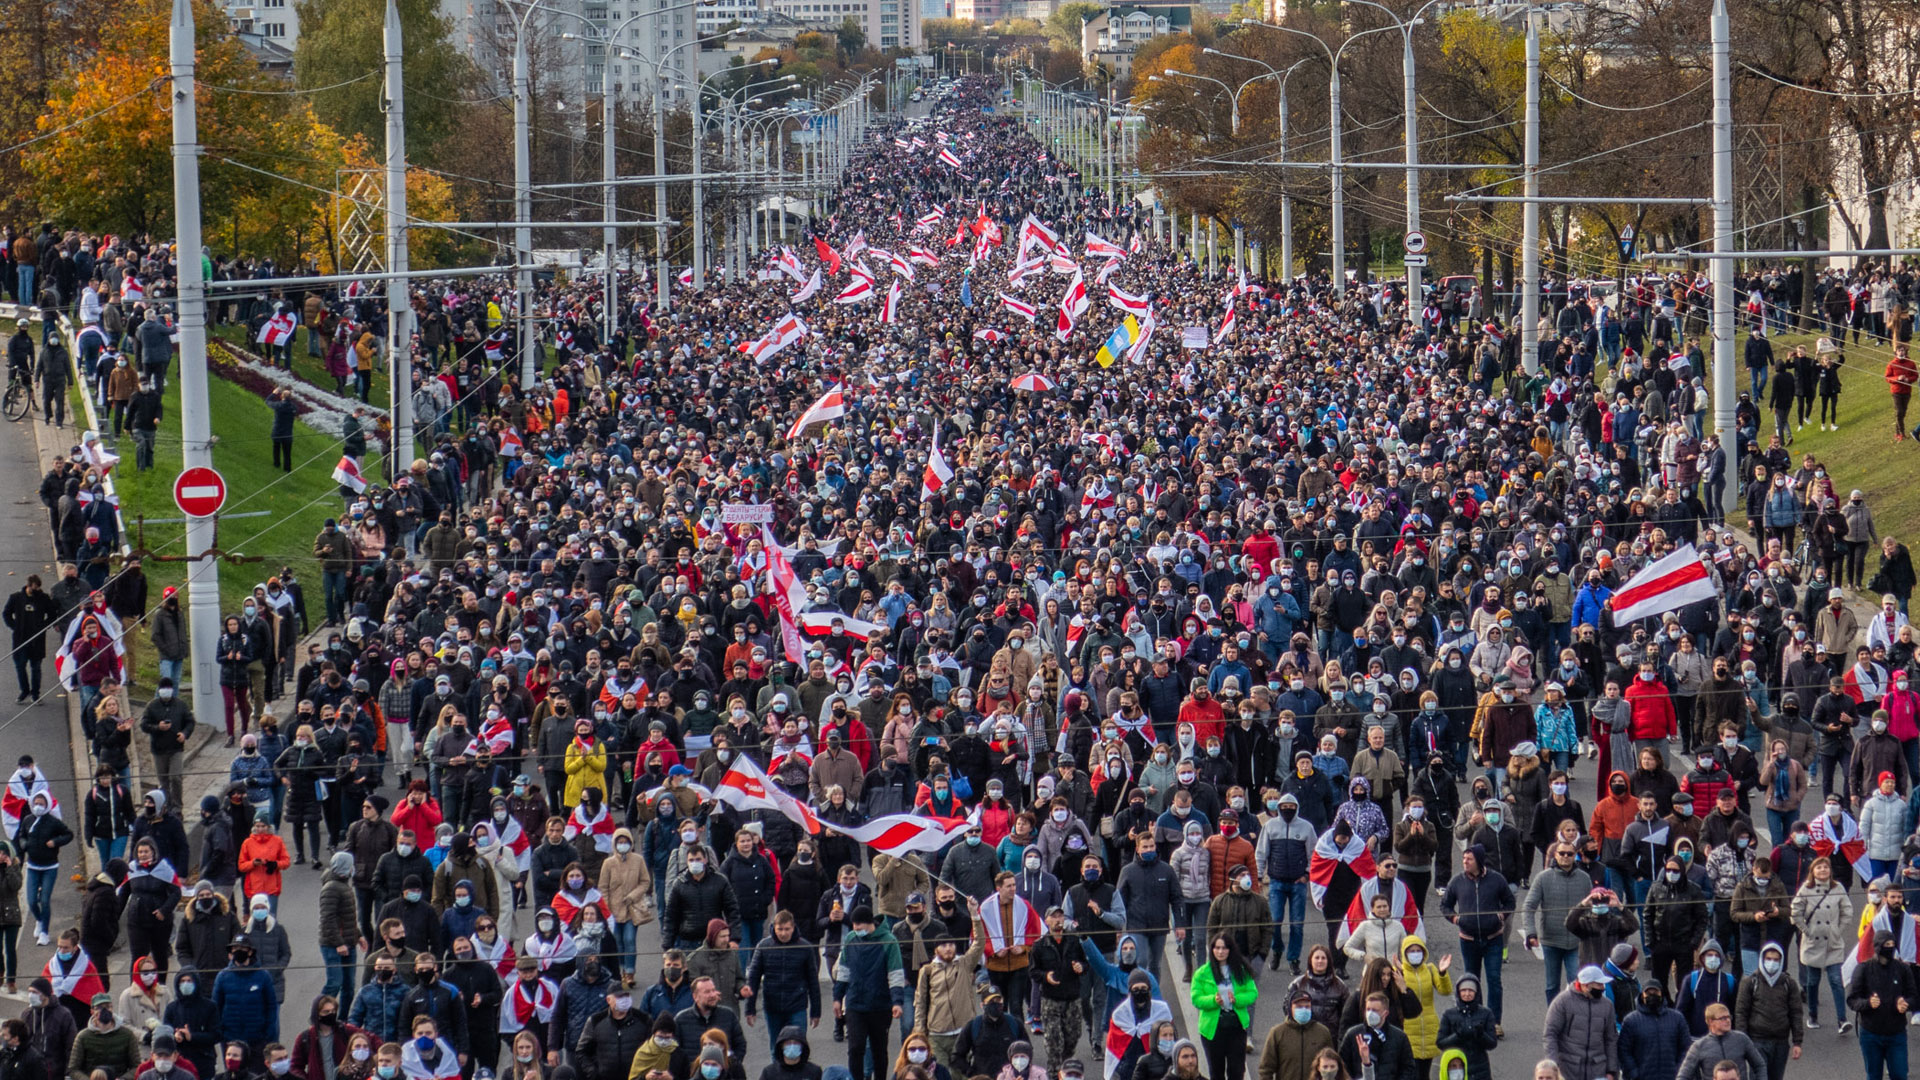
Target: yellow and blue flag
(1119, 342)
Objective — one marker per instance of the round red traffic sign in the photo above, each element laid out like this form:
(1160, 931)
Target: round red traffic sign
(200, 492)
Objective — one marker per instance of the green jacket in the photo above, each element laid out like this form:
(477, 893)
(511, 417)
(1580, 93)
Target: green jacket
(1205, 992)
(116, 1051)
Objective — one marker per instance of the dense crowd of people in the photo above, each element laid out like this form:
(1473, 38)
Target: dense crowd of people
(1166, 651)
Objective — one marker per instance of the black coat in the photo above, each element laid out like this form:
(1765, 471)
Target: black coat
(692, 904)
(1392, 1053)
(473, 979)
(607, 1045)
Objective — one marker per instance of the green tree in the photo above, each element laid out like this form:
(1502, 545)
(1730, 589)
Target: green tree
(340, 54)
(852, 39)
(1063, 26)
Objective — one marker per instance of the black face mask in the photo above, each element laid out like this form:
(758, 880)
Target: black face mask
(1141, 996)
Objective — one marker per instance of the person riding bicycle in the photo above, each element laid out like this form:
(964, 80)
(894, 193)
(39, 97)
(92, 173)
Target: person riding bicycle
(20, 356)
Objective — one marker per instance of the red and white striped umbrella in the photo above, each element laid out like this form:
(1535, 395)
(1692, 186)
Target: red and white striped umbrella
(1032, 381)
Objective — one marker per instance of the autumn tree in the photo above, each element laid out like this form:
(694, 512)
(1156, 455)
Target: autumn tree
(340, 57)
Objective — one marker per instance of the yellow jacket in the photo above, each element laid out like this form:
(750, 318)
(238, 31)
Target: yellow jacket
(1428, 983)
(585, 768)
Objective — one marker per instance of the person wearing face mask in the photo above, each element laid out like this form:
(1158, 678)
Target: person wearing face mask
(427, 1056)
(1600, 921)
(322, 1048)
(1281, 856)
(1884, 991)
(1885, 817)
(195, 1022)
(1579, 1034)
(1467, 1033)
(1710, 985)
(1676, 921)
(105, 1043)
(792, 1058)
(1768, 1010)
(1503, 722)
(206, 929)
(1375, 1046)
(244, 994)
(1138, 1024)
(1292, 1046)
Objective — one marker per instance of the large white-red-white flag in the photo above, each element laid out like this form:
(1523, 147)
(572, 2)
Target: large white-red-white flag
(806, 291)
(1101, 249)
(890, 309)
(1018, 306)
(831, 406)
(277, 330)
(745, 787)
(860, 291)
(784, 333)
(938, 473)
(1128, 302)
(1666, 584)
(1327, 859)
(347, 473)
(903, 834)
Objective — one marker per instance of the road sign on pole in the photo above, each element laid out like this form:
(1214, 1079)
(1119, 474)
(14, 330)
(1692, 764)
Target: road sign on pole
(199, 492)
(1415, 260)
(1415, 242)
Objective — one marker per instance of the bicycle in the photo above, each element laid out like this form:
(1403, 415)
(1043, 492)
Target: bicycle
(18, 402)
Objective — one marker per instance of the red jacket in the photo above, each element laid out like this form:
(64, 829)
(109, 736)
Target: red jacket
(1653, 716)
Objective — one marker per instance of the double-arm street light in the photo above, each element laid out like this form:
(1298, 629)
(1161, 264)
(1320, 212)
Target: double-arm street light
(1335, 162)
(1286, 200)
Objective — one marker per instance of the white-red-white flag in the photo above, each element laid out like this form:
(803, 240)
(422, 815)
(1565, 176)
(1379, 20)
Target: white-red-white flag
(347, 473)
(1101, 249)
(1667, 584)
(788, 330)
(278, 330)
(938, 472)
(806, 291)
(745, 787)
(890, 308)
(831, 406)
(861, 290)
(1018, 306)
(1128, 302)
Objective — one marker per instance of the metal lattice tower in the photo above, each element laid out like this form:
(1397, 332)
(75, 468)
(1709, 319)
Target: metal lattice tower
(1760, 195)
(360, 198)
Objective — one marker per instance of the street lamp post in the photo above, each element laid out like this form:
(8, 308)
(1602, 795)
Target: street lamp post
(1286, 199)
(1336, 162)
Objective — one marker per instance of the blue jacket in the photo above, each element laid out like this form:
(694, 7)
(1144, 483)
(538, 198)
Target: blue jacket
(248, 1006)
(787, 976)
(1588, 603)
(579, 1001)
(662, 998)
(1276, 618)
(1114, 975)
(376, 1008)
(1652, 1044)
(255, 773)
(869, 975)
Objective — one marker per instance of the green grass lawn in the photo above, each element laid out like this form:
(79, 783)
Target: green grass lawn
(310, 368)
(294, 504)
(1863, 453)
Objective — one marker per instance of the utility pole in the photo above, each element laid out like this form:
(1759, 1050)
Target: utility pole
(399, 309)
(609, 236)
(1530, 209)
(1415, 298)
(523, 208)
(1338, 179)
(1286, 200)
(1722, 268)
(661, 296)
(196, 450)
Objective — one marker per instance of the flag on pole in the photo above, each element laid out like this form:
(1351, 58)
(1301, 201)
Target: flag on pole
(1018, 306)
(1139, 350)
(784, 333)
(1101, 249)
(806, 291)
(988, 333)
(831, 406)
(1118, 343)
(860, 290)
(949, 159)
(1665, 585)
(277, 330)
(1227, 323)
(938, 472)
(347, 473)
(745, 787)
(899, 835)
(827, 254)
(890, 307)
(1128, 302)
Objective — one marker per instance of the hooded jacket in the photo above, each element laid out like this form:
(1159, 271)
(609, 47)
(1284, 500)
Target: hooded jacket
(205, 935)
(197, 1014)
(1428, 983)
(626, 883)
(782, 1069)
(1468, 1030)
(1771, 1008)
(1580, 1034)
(1653, 1041)
(307, 1062)
(1114, 975)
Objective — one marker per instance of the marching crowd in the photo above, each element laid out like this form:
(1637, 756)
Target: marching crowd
(908, 673)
